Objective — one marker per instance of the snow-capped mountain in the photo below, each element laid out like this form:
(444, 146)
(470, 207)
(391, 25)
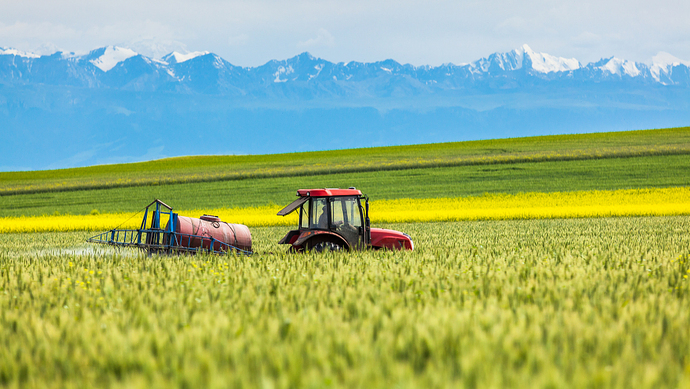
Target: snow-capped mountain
(663, 65)
(523, 58)
(106, 58)
(616, 69)
(17, 53)
(176, 57)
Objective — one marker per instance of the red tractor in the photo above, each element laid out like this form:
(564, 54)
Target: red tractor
(334, 219)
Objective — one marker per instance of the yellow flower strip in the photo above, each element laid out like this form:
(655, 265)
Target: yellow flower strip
(628, 202)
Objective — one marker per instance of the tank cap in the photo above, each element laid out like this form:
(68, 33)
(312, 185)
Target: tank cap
(352, 187)
(210, 218)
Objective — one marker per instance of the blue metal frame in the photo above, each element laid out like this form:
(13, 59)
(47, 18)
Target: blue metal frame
(172, 241)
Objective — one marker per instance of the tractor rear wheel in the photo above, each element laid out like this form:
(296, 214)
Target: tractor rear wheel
(323, 247)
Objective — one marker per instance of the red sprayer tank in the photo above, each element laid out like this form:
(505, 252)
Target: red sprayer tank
(236, 235)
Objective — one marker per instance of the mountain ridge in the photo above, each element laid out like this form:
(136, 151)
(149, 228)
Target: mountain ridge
(177, 71)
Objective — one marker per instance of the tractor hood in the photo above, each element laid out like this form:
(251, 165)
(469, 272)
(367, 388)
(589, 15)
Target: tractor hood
(390, 239)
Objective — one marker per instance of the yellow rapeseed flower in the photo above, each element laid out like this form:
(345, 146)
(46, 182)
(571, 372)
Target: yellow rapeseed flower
(533, 205)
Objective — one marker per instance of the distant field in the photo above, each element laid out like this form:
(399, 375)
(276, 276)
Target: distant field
(674, 141)
(608, 161)
(457, 181)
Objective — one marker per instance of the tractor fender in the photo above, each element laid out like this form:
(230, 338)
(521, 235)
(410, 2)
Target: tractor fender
(290, 237)
(307, 236)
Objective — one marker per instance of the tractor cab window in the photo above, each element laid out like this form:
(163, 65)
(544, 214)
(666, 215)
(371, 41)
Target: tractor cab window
(318, 214)
(304, 217)
(346, 219)
(345, 210)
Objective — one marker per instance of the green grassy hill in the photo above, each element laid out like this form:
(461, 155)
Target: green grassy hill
(635, 159)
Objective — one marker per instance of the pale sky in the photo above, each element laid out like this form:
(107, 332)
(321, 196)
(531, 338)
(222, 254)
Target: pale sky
(252, 32)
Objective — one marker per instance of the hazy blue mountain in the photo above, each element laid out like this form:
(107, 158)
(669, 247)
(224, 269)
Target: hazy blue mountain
(115, 105)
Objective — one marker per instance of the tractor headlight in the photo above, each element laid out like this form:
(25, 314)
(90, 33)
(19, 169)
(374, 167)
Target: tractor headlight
(411, 241)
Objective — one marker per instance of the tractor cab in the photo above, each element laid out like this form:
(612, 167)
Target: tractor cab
(337, 219)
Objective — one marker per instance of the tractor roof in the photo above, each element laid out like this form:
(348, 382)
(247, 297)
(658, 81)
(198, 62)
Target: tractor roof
(326, 192)
(305, 194)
